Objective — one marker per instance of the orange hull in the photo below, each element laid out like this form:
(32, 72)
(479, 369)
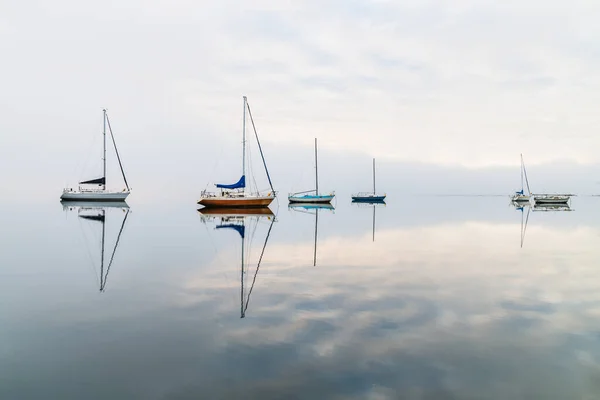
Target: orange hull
(242, 202)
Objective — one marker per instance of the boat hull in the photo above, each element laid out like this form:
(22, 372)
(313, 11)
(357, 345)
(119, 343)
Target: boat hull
(311, 199)
(368, 199)
(94, 196)
(237, 202)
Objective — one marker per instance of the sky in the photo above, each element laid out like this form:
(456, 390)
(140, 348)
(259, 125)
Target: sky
(453, 85)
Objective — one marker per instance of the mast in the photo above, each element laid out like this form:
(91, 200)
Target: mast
(373, 177)
(244, 141)
(316, 170)
(104, 147)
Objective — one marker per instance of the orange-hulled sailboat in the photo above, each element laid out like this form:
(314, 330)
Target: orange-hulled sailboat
(237, 194)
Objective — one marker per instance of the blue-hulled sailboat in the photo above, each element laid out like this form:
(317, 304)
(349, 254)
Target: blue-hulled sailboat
(307, 196)
(368, 197)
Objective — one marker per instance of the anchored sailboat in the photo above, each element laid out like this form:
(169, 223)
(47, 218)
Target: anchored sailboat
(96, 212)
(368, 196)
(520, 196)
(305, 197)
(239, 220)
(95, 189)
(235, 194)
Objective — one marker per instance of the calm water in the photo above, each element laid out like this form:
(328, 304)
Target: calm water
(443, 299)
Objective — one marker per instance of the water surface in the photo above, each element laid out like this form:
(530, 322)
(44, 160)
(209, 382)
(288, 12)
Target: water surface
(443, 297)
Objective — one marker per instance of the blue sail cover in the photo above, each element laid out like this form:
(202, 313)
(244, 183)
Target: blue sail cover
(519, 192)
(239, 228)
(240, 184)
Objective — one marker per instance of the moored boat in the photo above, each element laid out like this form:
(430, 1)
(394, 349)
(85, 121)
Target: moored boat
(368, 197)
(238, 194)
(95, 189)
(305, 196)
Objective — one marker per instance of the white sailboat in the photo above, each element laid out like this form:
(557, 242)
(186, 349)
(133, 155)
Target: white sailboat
(520, 196)
(95, 189)
(305, 196)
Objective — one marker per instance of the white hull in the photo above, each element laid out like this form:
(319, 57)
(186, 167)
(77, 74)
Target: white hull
(94, 196)
(311, 199)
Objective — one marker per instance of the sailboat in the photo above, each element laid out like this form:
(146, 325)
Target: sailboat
(306, 208)
(95, 189)
(96, 212)
(368, 196)
(235, 194)
(305, 197)
(239, 220)
(520, 196)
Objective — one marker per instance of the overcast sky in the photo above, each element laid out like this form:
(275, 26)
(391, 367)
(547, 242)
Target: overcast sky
(462, 83)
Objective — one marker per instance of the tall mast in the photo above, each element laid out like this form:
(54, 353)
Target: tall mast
(316, 170)
(373, 177)
(104, 147)
(244, 141)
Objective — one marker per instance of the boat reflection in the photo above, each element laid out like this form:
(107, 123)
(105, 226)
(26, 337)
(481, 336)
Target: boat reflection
(244, 221)
(552, 207)
(372, 203)
(520, 206)
(308, 209)
(96, 212)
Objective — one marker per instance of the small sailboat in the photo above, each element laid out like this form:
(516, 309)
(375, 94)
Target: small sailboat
(369, 197)
(520, 196)
(305, 196)
(236, 194)
(96, 212)
(307, 208)
(95, 189)
(239, 220)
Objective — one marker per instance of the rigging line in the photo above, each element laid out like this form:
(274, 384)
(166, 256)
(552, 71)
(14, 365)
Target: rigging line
(259, 146)
(258, 265)
(114, 250)
(117, 152)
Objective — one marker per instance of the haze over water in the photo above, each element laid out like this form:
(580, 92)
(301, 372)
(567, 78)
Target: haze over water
(444, 303)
